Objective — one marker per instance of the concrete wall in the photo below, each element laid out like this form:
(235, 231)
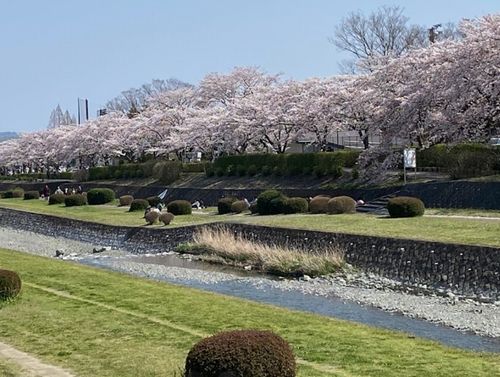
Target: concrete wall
(466, 268)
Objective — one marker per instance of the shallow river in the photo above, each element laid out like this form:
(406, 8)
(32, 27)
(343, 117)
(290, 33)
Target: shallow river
(258, 288)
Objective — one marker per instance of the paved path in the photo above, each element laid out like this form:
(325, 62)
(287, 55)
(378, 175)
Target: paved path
(31, 366)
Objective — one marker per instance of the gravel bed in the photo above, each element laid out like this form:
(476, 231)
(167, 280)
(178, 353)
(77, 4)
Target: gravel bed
(443, 307)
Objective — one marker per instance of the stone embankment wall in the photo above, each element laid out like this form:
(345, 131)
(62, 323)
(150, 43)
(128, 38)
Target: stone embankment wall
(453, 194)
(466, 268)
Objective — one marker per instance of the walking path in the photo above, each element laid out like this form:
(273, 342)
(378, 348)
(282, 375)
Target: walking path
(31, 366)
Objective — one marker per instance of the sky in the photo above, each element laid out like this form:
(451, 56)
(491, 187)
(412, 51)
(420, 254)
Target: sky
(55, 51)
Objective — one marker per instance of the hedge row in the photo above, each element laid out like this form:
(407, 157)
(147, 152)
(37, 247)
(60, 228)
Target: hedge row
(320, 164)
(462, 160)
(165, 171)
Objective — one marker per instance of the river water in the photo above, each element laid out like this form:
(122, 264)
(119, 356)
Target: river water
(256, 287)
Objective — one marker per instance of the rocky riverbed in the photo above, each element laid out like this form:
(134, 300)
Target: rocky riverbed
(438, 306)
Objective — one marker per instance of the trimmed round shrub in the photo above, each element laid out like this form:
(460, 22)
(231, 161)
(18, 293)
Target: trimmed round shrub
(16, 193)
(254, 209)
(295, 205)
(153, 201)
(319, 204)
(10, 284)
(270, 202)
(152, 217)
(341, 204)
(30, 195)
(224, 204)
(138, 205)
(166, 218)
(248, 353)
(240, 206)
(100, 196)
(219, 172)
(179, 207)
(126, 200)
(56, 199)
(405, 206)
(75, 200)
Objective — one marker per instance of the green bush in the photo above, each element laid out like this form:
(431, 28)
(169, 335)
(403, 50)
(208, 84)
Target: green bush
(230, 171)
(239, 206)
(30, 195)
(167, 172)
(100, 196)
(179, 207)
(270, 202)
(153, 201)
(242, 353)
(194, 167)
(15, 193)
(10, 284)
(126, 200)
(138, 205)
(319, 204)
(252, 170)
(461, 160)
(341, 204)
(241, 170)
(166, 218)
(210, 171)
(405, 206)
(219, 172)
(224, 204)
(56, 199)
(295, 205)
(75, 200)
(266, 170)
(152, 217)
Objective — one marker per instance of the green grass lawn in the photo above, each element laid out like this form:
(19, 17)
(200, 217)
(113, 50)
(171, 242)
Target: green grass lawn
(484, 231)
(463, 212)
(106, 214)
(99, 323)
(455, 230)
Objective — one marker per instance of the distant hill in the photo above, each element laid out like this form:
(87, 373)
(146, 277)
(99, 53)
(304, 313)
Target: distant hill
(7, 135)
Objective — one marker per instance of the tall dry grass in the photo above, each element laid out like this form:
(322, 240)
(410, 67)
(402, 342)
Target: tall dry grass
(285, 261)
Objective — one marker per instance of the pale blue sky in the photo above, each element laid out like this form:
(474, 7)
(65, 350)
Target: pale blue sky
(54, 51)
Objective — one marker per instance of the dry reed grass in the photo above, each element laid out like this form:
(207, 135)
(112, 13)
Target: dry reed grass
(235, 249)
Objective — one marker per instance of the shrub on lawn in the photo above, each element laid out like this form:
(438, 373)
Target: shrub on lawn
(224, 204)
(153, 201)
(100, 196)
(138, 205)
(166, 217)
(16, 193)
(56, 199)
(270, 202)
(75, 200)
(30, 195)
(248, 353)
(126, 200)
(319, 204)
(252, 170)
(295, 205)
(10, 284)
(405, 206)
(240, 206)
(179, 207)
(152, 217)
(341, 204)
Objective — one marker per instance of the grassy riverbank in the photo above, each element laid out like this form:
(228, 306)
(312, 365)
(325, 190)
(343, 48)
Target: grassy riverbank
(99, 323)
(475, 231)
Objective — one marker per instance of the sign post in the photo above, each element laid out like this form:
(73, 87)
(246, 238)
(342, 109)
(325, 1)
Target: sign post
(409, 161)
